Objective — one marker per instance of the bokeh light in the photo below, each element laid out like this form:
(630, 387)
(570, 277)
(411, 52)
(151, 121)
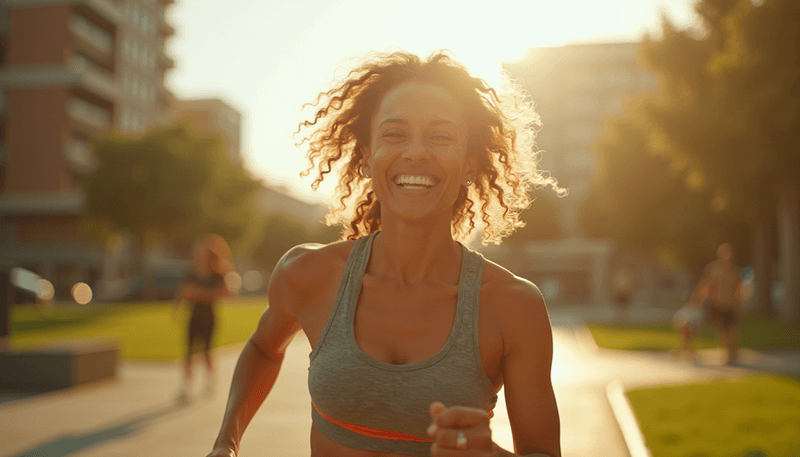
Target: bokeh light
(46, 290)
(252, 280)
(233, 281)
(81, 293)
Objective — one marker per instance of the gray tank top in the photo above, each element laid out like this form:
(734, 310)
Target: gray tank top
(365, 403)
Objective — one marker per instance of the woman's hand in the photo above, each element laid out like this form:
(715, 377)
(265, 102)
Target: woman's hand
(460, 431)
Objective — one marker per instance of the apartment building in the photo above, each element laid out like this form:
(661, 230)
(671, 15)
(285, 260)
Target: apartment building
(574, 88)
(214, 115)
(70, 70)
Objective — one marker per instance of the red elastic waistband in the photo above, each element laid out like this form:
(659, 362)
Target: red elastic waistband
(373, 432)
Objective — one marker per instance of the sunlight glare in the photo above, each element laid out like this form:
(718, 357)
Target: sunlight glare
(82, 293)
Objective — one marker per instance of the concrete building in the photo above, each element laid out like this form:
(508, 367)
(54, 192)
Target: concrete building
(70, 70)
(574, 87)
(277, 199)
(214, 115)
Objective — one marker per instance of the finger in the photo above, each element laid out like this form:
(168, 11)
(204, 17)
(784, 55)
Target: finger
(479, 437)
(461, 417)
(436, 408)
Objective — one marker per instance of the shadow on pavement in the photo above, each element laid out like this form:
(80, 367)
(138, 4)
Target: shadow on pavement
(66, 445)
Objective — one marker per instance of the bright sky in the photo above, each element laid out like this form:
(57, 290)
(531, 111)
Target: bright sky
(268, 58)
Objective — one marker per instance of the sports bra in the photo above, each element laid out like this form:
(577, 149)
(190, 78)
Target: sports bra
(365, 403)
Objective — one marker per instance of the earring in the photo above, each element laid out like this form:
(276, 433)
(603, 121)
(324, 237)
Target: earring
(361, 172)
(469, 183)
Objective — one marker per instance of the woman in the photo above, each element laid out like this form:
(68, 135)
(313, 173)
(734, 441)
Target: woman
(412, 334)
(204, 286)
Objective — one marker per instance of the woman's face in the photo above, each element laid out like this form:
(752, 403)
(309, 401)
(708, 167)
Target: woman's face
(417, 157)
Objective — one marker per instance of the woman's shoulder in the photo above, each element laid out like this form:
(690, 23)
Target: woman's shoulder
(501, 284)
(308, 264)
(515, 307)
(508, 296)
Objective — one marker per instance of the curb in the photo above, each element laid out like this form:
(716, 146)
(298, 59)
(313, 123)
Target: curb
(620, 406)
(585, 340)
(626, 419)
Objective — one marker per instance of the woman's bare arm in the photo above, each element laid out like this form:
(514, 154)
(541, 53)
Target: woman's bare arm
(527, 361)
(261, 359)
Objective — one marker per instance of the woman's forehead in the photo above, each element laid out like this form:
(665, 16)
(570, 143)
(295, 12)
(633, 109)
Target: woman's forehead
(415, 101)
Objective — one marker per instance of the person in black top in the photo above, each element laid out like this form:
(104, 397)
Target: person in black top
(203, 287)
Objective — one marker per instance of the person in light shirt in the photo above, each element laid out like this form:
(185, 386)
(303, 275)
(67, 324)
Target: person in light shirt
(412, 333)
(720, 288)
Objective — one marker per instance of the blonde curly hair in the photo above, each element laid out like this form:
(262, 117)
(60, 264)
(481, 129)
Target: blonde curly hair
(501, 123)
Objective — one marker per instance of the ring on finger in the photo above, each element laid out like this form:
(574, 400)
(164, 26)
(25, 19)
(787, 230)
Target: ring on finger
(461, 440)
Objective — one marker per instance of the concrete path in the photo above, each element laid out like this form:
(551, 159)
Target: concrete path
(137, 415)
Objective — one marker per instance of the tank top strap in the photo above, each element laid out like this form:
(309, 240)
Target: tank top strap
(469, 301)
(469, 283)
(355, 271)
(350, 284)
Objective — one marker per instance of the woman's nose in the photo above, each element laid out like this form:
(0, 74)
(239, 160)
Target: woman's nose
(417, 150)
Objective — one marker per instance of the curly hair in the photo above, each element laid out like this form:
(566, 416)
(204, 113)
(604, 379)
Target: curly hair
(501, 124)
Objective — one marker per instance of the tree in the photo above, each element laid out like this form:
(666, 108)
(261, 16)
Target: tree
(279, 233)
(646, 202)
(729, 108)
(758, 70)
(541, 222)
(171, 184)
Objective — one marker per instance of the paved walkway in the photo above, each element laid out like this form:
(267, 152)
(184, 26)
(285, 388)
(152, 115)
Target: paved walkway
(137, 414)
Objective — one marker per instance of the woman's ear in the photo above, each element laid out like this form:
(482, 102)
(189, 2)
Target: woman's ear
(472, 168)
(366, 169)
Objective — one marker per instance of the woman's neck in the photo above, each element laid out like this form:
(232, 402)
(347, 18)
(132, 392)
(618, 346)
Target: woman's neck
(415, 253)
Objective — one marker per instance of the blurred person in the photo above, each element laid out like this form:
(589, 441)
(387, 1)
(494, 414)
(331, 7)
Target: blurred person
(203, 288)
(688, 321)
(412, 333)
(622, 285)
(720, 289)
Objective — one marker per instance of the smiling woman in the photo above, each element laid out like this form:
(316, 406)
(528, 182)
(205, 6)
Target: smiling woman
(412, 333)
(500, 140)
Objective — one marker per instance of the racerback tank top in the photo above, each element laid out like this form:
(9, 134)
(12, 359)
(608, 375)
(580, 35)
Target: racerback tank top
(365, 403)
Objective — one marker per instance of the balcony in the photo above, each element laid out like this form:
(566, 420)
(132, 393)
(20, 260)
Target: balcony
(62, 203)
(86, 30)
(80, 156)
(165, 28)
(94, 78)
(107, 9)
(89, 113)
(165, 61)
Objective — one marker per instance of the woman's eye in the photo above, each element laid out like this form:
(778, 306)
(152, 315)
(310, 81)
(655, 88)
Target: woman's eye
(393, 134)
(441, 137)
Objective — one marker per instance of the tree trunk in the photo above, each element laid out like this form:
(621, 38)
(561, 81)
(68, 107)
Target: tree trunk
(762, 264)
(789, 249)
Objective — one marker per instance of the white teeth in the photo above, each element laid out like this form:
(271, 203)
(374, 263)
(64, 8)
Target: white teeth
(409, 180)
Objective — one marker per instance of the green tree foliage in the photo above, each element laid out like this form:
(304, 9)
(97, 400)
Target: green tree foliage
(280, 233)
(171, 184)
(647, 202)
(541, 222)
(757, 72)
(725, 118)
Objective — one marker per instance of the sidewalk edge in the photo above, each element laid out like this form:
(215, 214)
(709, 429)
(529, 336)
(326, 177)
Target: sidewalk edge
(585, 339)
(626, 419)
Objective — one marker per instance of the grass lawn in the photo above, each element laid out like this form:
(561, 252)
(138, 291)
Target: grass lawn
(143, 330)
(758, 333)
(730, 418)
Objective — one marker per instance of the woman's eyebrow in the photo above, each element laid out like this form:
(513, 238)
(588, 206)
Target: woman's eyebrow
(393, 121)
(405, 122)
